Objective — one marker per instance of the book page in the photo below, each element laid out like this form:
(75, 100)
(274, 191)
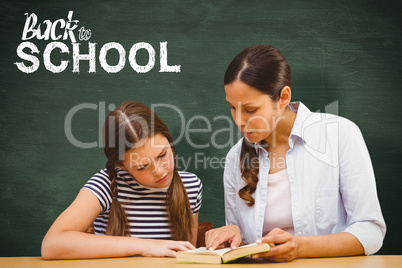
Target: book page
(221, 251)
(204, 250)
(245, 251)
(248, 245)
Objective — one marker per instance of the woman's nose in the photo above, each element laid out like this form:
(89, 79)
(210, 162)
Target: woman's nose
(240, 119)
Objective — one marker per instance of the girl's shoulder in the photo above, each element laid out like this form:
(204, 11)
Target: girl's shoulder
(194, 188)
(191, 181)
(188, 177)
(101, 175)
(99, 184)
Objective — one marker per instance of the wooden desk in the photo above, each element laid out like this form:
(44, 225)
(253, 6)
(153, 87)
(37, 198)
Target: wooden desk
(377, 261)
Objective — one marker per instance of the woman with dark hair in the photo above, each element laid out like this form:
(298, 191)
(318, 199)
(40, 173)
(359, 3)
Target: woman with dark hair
(138, 204)
(301, 180)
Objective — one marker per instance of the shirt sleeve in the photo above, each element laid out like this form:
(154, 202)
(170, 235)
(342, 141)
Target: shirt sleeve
(229, 184)
(359, 193)
(99, 184)
(198, 201)
(194, 189)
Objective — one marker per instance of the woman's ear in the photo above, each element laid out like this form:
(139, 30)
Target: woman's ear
(285, 98)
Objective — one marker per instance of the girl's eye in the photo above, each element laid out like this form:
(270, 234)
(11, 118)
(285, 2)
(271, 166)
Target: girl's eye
(162, 155)
(232, 107)
(142, 168)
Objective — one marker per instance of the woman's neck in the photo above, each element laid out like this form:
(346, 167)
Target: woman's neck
(280, 135)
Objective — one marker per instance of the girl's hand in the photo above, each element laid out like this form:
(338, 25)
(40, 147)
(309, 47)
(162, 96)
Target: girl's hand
(163, 248)
(286, 248)
(216, 238)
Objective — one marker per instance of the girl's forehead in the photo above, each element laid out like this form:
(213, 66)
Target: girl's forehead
(151, 147)
(157, 142)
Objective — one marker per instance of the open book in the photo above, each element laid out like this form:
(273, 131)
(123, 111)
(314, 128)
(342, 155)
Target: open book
(224, 255)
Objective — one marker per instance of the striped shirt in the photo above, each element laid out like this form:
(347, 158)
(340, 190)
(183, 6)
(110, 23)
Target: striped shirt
(144, 206)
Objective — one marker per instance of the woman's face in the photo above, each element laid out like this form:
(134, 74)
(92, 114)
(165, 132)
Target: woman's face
(152, 164)
(254, 112)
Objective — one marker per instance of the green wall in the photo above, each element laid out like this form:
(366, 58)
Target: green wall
(343, 54)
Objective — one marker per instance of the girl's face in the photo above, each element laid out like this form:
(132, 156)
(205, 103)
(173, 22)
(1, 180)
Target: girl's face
(254, 112)
(152, 164)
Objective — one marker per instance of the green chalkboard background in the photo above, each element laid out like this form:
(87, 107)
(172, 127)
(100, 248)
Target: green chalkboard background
(345, 58)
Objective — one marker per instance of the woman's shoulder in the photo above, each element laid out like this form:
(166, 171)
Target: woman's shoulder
(315, 121)
(235, 150)
(323, 130)
(325, 121)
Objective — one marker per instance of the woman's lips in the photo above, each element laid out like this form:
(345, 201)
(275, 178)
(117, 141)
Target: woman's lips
(247, 134)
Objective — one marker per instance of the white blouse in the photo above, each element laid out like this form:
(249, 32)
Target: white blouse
(332, 183)
(278, 211)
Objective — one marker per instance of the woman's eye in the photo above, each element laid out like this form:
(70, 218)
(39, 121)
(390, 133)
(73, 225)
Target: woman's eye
(251, 110)
(162, 155)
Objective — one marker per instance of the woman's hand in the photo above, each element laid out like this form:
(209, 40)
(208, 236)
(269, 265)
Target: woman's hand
(216, 238)
(286, 248)
(163, 248)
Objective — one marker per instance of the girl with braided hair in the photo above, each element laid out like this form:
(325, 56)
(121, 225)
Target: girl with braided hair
(140, 204)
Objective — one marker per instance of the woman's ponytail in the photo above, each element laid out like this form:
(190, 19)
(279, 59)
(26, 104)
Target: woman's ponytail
(249, 167)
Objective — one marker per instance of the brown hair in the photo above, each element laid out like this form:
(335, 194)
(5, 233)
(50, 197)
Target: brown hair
(266, 69)
(128, 126)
